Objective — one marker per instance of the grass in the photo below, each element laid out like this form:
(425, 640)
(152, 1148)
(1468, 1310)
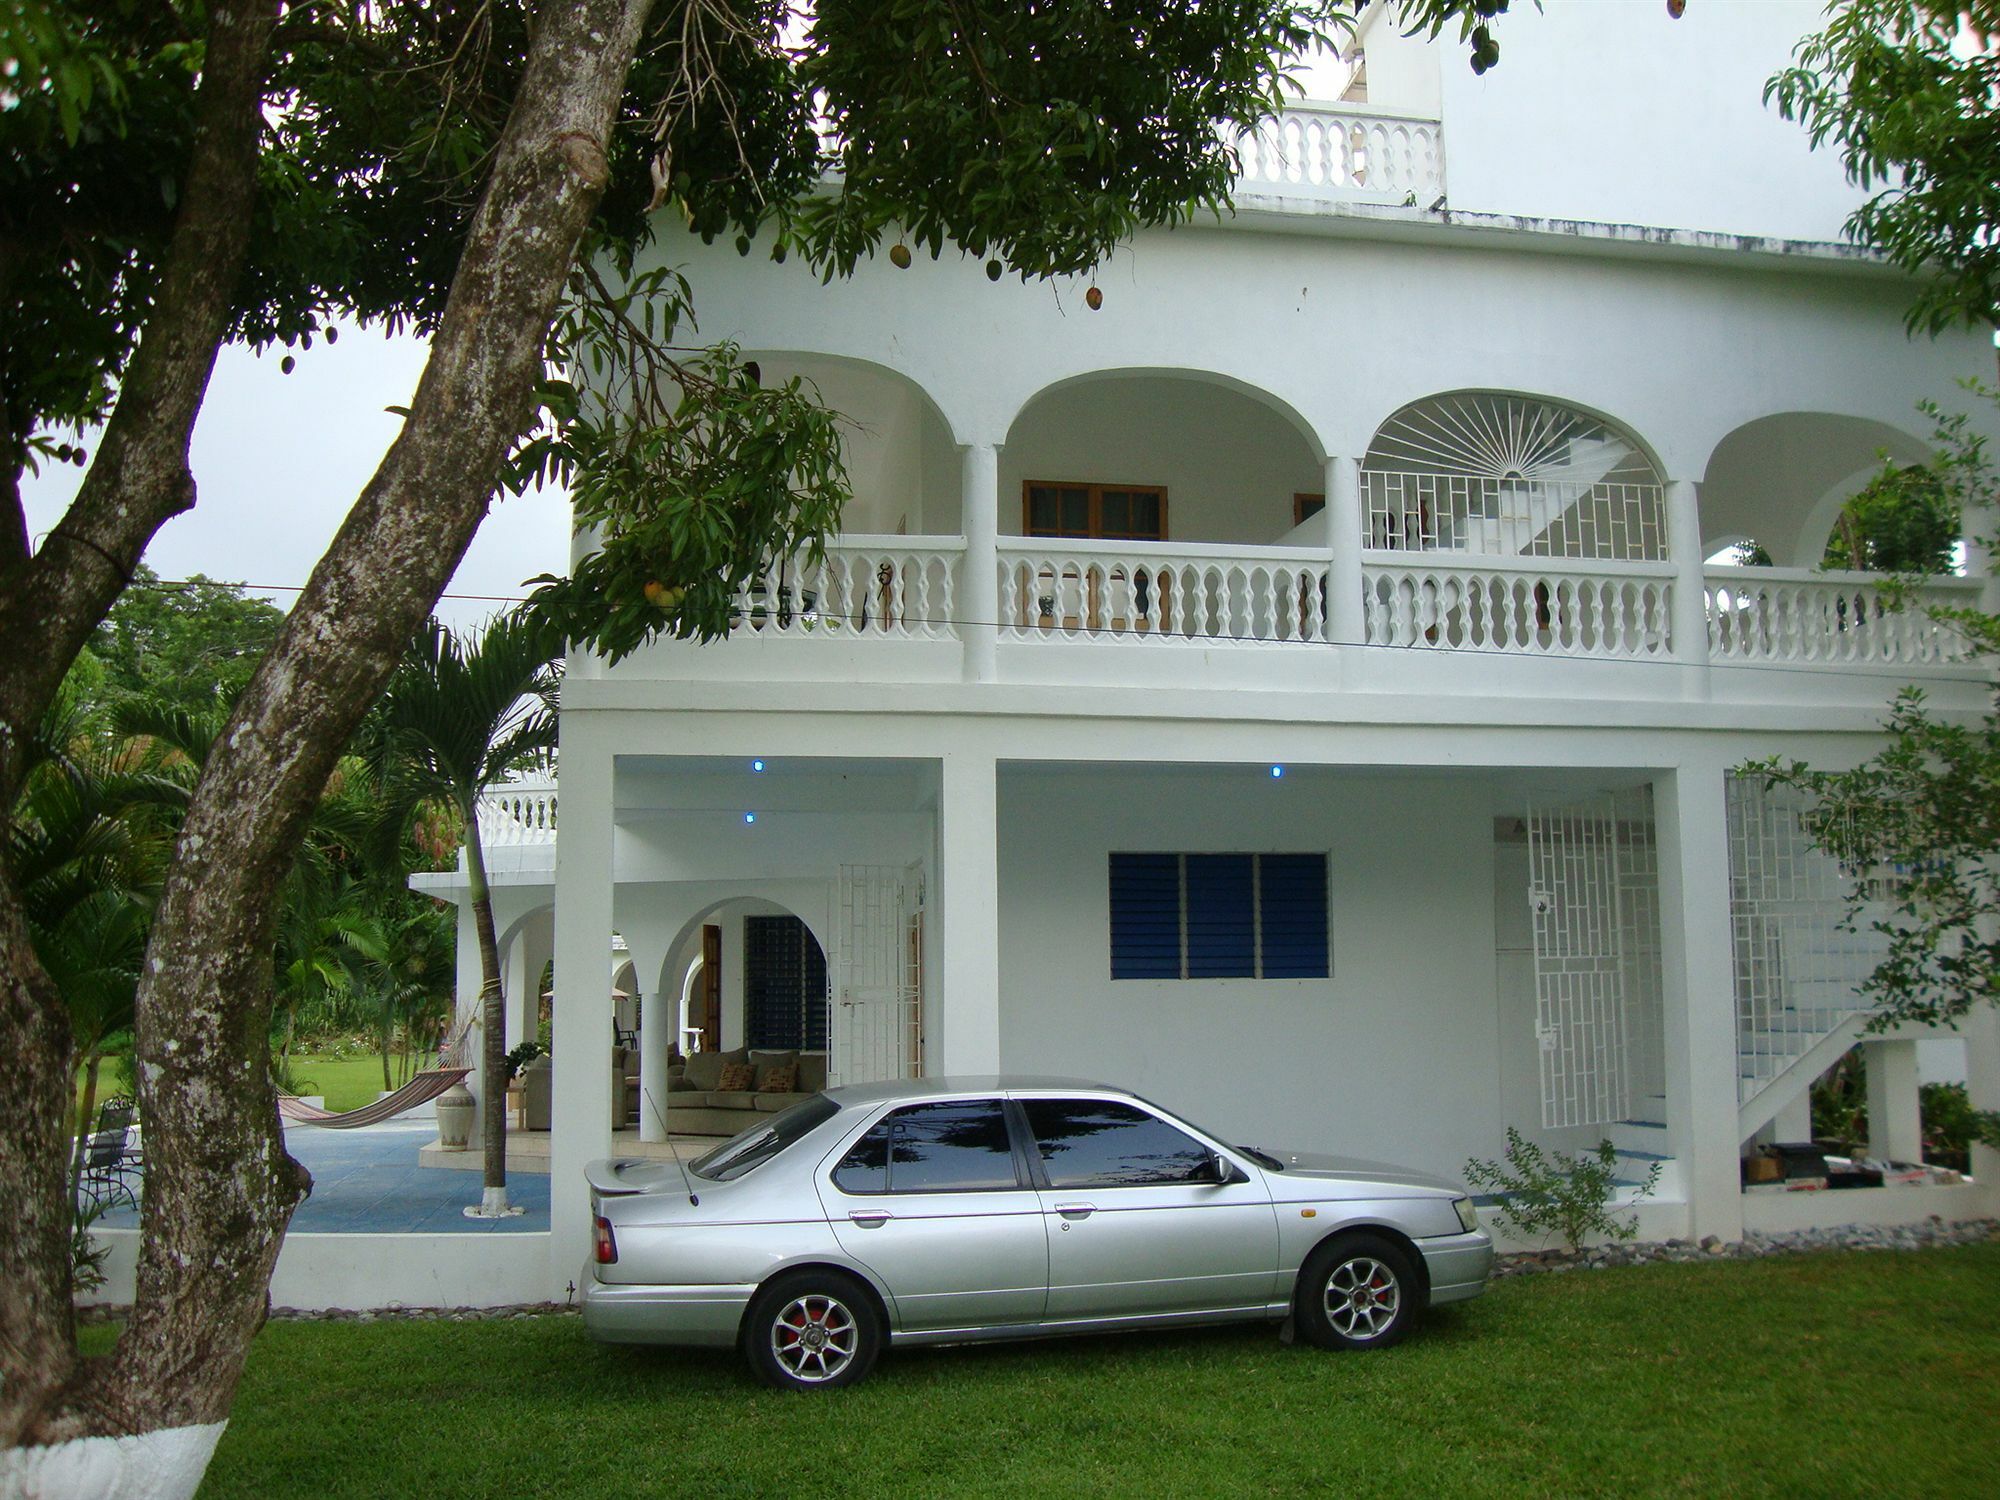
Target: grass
(347, 1082)
(1829, 1375)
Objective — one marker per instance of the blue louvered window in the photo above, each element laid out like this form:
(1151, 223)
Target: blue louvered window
(1219, 916)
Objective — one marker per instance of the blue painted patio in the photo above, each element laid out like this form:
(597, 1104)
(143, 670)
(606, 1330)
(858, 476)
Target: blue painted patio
(367, 1181)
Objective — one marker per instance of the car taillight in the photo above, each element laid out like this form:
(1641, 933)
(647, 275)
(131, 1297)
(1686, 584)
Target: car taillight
(603, 1244)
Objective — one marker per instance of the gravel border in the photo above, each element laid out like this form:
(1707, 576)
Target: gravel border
(1930, 1233)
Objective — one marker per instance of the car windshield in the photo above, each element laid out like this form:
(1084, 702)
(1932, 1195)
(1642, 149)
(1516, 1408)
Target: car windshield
(764, 1140)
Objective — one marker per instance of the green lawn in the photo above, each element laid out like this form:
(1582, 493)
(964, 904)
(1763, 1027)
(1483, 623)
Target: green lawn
(347, 1082)
(1856, 1374)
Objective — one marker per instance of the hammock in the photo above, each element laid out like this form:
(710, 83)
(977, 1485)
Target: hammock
(421, 1089)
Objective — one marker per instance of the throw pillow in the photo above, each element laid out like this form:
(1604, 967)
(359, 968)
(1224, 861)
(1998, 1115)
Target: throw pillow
(737, 1078)
(704, 1070)
(777, 1080)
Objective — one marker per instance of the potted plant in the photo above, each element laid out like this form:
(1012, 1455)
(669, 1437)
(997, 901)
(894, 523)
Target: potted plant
(511, 1066)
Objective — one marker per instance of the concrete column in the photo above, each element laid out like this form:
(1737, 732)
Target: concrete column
(1895, 1127)
(1979, 528)
(659, 1011)
(1346, 621)
(1981, 1029)
(969, 902)
(581, 1111)
(979, 585)
(1690, 604)
(517, 988)
(1698, 974)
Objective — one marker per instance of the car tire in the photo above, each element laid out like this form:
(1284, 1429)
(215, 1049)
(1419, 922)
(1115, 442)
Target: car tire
(812, 1331)
(1359, 1291)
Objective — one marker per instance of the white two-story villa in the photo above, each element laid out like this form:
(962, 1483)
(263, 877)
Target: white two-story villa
(1298, 688)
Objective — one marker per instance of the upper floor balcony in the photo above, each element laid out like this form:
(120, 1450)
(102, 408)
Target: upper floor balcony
(1485, 544)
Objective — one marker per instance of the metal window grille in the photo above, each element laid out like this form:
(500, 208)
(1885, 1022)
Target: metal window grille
(1637, 871)
(1511, 476)
(1797, 968)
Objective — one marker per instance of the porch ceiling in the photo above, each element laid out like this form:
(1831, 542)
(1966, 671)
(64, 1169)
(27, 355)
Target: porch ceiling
(718, 783)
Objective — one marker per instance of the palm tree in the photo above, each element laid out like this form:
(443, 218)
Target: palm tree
(457, 716)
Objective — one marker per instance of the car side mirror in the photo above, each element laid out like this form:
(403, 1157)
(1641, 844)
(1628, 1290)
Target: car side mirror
(1222, 1171)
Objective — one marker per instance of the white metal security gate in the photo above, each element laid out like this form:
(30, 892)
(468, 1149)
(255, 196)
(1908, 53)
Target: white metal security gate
(877, 1031)
(1580, 963)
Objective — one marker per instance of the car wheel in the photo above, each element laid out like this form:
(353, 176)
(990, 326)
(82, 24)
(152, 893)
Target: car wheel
(812, 1331)
(1358, 1292)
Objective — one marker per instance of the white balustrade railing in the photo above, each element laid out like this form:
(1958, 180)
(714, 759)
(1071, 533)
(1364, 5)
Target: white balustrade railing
(1791, 615)
(522, 812)
(1334, 151)
(876, 585)
(1138, 591)
(1541, 606)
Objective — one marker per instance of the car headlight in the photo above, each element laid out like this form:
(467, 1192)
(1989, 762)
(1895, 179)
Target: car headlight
(1468, 1216)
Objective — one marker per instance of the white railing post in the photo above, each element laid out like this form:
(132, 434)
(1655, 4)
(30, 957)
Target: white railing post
(1690, 599)
(979, 592)
(1345, 625)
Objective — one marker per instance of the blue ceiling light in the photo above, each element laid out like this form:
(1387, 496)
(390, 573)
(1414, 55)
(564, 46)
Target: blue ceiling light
(756, 765)
(1276, 772)
(749, 817)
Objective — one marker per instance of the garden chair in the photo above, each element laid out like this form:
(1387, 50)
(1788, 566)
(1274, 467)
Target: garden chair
(111, 1166)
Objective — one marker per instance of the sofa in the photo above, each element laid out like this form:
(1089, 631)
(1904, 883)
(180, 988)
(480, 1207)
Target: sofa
(699, 1104)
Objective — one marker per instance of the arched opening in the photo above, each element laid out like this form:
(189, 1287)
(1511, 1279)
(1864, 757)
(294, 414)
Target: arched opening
(1155, 456)
(1509, 475)
(902, 458)
(748, 974)
(1783, 480)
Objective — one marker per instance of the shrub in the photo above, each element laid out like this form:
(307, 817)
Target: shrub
(1553, 1192)
(1951, 1125)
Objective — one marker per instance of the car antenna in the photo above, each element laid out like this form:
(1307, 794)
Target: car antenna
(685, 1182)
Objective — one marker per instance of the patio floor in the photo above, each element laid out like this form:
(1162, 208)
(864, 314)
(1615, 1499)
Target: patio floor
(368, 1181)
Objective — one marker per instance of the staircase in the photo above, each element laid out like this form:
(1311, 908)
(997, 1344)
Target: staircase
(1524, 509)
(1780, 1051)
(1641, 1143)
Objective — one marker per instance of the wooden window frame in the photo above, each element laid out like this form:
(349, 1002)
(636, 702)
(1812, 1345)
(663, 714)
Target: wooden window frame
(1096, 492)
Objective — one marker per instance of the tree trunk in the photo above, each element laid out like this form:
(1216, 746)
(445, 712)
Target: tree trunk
(220, 1189)
(492, 1024)
(82, 1150)
(49, 604)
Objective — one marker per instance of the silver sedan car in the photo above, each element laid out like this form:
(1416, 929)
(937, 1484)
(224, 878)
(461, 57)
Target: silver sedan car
(947, 1210)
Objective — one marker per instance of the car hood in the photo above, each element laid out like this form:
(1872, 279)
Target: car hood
(1303, 1167)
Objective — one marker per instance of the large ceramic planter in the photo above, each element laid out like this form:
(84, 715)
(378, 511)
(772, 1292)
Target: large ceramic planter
(454, 1114)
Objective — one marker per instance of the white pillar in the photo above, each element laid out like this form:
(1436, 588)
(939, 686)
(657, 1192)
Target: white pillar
(659, 1014)
(1698, 975)
(1689, 615)
(1981, 1029)
(979, 585)
(969, 902)
(1895, 1128)
(516, 983)
(581, 1109)
(1346, 623)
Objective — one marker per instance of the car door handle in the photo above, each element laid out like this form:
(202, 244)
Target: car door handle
(1076, 1210)
(870, 1218)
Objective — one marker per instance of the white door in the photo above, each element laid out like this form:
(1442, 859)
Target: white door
(877, 990)
(1573, 897)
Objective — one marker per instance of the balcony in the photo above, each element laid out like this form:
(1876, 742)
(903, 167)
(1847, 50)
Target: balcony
(1344, 153)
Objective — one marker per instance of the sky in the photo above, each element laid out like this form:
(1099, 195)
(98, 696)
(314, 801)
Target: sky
(278, 459)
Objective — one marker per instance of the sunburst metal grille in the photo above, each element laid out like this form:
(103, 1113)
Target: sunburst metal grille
(1478, 471)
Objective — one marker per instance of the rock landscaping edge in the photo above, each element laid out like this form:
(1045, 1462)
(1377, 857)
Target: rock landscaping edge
(1929, 1234)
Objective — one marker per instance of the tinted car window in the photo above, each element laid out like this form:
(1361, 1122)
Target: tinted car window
(931, 1148)
(1101, 1143)
(751, 1148)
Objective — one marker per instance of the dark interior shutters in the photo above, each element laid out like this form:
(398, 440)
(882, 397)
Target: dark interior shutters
(1219, 916)
(784, 985)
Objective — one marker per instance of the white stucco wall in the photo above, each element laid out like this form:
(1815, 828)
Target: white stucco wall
(1609, 110)
(1394, 1056)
